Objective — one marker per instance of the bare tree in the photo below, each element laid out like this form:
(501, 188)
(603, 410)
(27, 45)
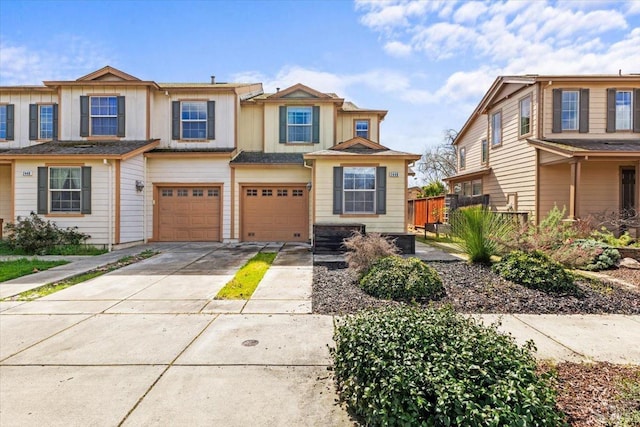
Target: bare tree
(440, 161)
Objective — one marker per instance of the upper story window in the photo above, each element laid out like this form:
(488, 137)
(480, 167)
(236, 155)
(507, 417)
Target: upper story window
(525, 116)
(193, 120)
(623, 109)
(570, 110)
(299, 124)
(361, 128)
(6, 122)
(496, 128)
(43, 121)
(359, 190)
(462, 158)
(484, 148)
(102, 116)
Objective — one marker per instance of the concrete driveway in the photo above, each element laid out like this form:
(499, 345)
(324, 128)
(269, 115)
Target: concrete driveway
(147, 345)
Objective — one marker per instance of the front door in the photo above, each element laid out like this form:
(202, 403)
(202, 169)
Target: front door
(628, 197)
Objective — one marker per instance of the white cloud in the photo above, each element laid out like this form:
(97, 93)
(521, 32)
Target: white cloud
(469, 12)
(633, 8)
(25, 65)
(398, 49)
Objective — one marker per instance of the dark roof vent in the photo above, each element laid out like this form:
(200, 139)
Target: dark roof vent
(213, 80)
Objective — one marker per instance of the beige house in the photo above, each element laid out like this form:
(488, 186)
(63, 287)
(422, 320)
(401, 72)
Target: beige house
(538, 141)
(129, 161)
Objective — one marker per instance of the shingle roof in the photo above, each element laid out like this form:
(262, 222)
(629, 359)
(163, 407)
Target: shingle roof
(80, 148)
(257, 157)
(192, 150)
(609, 145)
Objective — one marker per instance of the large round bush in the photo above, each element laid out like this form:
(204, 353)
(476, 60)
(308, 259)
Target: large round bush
(408, 366)
(535, 270)
(400, 278)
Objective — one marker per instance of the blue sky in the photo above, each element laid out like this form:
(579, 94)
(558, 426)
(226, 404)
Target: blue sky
(427, 62)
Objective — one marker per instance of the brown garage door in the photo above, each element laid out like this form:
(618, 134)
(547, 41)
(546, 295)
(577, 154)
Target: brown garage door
(188, 214)
(275, 213)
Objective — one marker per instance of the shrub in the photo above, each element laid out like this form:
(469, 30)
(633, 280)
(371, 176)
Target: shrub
(480, 232)
(366, 249)
(33, 235)
(398, 278)
(535, 270)
(606, 236)
(407, 366)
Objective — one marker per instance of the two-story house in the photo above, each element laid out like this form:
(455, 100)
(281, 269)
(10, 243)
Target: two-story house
(538, 141)
(129, 161)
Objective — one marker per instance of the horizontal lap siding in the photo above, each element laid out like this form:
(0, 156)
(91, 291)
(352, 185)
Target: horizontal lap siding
(135, 110)
(190, 170)
(599, 188)
(131, 201)
(514, 162)
(554, 188)
(472, 142)
(597, 110)
(95, 224)
(259, 175)
(21, 103)
(393, 221)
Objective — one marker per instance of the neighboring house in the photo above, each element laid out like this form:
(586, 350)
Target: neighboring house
(129, 161)
(538, 141)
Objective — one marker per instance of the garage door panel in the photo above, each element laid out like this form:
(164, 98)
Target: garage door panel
(273, 214)
(189, 214)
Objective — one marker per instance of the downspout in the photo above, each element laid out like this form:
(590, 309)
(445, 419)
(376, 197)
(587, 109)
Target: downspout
(312, 200)
(110, 206)
(144, 200)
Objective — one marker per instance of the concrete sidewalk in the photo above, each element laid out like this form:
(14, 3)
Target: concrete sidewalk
(148, 345)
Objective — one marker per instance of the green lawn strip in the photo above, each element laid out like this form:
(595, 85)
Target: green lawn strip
(247, 278)
(5, 249)
(51, 288)
(23, 266)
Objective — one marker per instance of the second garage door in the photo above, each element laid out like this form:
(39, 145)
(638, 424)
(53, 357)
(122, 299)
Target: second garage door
(188, 214)
(275, 213)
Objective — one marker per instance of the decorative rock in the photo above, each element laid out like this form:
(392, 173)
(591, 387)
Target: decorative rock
(629, 263)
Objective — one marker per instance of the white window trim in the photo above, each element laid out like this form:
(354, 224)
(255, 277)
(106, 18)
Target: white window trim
(40, 122)
(527, 99)
(345, 191)
(111, 116)
(183, 121)
(630, 112)
(71, 190)
(309, 125)
(577, 120)
(493, 129)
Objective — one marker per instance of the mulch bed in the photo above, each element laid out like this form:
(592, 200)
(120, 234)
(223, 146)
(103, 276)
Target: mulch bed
(587, 393)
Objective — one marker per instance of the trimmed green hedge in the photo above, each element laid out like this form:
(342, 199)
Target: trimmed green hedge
(407, 367)
(535, 270)
(398, 278)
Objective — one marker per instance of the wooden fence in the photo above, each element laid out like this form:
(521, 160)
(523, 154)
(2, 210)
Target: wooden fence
(426, 211)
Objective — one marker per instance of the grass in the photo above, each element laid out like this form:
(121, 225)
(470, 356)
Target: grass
(58, 250)
(51, 288)
(629, 396)
(247, 278)
(23, 266)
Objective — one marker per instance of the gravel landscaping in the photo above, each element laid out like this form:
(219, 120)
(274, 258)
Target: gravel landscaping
(474, 289)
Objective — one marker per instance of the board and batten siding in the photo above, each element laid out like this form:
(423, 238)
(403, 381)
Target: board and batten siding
(391, 222)
(131, 200)
(135, 110)
(205, 171)
(251, 127)
(21, 101)
(597, 110)
(272, 130)
(5, 194)
(96, 224)
(513, 163)
(345, 123)
(161, 119)
(257, 175)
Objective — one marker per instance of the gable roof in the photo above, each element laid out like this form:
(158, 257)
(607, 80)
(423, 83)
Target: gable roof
(105, 76)
(299, 89)
(360, 147)
(82, 149)
(358, 142)
(108, 72)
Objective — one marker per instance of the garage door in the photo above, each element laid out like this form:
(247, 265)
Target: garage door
(188, 214)
(275, 214)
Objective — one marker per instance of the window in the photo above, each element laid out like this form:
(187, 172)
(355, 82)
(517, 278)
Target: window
(45, 128)
(476, 187)
(213, 192)
(469, 188)
(299, 124)
(282, 192)
(525, 116)
(484, 147)
(462, 158)
(359, 190)
(43, 121)
(167, 193)
(104, 115)
(570, 109)
(65, 189)
(3, 121)
(183, 192)
(623, 109)
(297, 193)
(362, 128)
(267, 192)
(496, 129)
(194, 120)
(197, 192)
(252, 192)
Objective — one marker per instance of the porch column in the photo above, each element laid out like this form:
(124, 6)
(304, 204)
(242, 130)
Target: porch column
(574, 199)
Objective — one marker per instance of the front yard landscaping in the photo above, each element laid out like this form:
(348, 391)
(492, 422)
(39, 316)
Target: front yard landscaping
(24, 266)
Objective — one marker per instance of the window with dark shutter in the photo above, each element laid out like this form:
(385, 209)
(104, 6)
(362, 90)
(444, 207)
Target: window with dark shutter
(33, 121)
(611, 110)
(584, 111)
(211, 119)
(84, 116)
